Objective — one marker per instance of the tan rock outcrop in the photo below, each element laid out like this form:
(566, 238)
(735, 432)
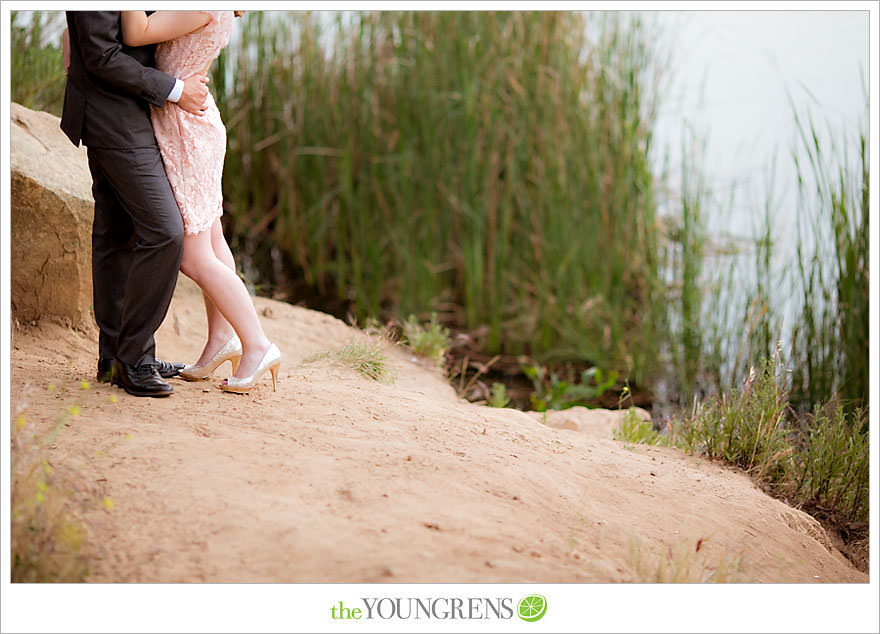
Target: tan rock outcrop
(51, 221)
(601, 423)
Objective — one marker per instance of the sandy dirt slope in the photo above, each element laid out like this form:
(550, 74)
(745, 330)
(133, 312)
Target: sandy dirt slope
(336, 478)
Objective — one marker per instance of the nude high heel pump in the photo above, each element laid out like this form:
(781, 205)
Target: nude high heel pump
(229, 351)
(271, 361)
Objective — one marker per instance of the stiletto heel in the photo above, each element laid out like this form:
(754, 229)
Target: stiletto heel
(230, 351)
(271, 361)
(274, 371)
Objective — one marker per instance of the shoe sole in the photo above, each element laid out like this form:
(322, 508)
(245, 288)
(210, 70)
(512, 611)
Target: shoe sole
(137, 393)
(232, 390)
(192, 379)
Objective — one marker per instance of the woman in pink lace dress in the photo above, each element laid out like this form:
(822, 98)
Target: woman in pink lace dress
(193, 148)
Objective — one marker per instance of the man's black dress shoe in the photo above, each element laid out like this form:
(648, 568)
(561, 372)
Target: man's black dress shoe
(142, 380)
(165, 369)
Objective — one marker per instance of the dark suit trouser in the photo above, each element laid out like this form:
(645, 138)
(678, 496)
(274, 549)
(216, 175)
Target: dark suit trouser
(137, 245)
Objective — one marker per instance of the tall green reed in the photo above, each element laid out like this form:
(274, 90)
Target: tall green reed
(807, 291)
(830, 338)
(686, 298)
(491, 167)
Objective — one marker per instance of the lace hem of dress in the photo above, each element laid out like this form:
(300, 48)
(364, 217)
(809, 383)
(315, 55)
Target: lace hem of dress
(192, 227)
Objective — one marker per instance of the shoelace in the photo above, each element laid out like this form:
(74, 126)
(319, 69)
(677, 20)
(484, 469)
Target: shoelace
(147, 368)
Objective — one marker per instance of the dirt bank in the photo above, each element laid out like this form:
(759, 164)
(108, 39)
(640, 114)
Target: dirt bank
(336, 478)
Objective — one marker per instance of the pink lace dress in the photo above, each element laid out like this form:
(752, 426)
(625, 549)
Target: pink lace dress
(193, 147)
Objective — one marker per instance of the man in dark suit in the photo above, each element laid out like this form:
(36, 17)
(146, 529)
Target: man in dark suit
(137, 235)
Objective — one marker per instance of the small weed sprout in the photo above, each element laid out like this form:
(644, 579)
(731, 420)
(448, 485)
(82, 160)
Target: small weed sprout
(429, 340)
(634, 429)
(498, 396)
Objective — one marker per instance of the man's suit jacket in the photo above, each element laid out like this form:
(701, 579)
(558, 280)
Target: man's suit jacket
(110, 85)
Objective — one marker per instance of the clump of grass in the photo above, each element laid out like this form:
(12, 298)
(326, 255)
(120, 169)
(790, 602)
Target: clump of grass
(48, 536)
(830, 469)
(429, 340)
(683, 562)
(363, 355)
(366, 357)
(819, 461)
(745, 427)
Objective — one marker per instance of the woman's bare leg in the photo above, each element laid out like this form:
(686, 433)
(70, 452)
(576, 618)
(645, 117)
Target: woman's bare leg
(226, 294)
(219, 329)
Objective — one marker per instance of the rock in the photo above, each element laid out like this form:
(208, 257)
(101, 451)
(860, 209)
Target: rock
(51, 223)
(597, 422)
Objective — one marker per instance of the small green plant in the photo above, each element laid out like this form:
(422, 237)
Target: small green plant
(362, 355)
(554, 393)
(429, 340)
(498, 396)
(372, 327)
(634, 429)
(48, 536)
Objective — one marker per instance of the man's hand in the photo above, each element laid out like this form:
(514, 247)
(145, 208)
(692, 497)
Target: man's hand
(195, 95)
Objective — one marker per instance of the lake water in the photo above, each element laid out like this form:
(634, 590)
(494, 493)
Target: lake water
(734, 77)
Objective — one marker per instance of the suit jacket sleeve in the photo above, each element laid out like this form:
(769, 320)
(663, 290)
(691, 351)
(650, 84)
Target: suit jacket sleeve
(103, 56)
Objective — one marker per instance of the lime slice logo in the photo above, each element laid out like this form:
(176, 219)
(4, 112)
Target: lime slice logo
(532, 608)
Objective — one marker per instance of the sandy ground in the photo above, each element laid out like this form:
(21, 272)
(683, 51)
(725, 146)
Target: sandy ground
(337, 478)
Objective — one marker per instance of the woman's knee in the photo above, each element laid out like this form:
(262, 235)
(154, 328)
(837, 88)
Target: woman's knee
(198, 261)
(192, 261)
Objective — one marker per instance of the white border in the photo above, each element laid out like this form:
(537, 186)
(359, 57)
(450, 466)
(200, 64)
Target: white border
(572, 607)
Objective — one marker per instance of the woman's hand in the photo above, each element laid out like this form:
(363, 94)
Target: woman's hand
(139, 30)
